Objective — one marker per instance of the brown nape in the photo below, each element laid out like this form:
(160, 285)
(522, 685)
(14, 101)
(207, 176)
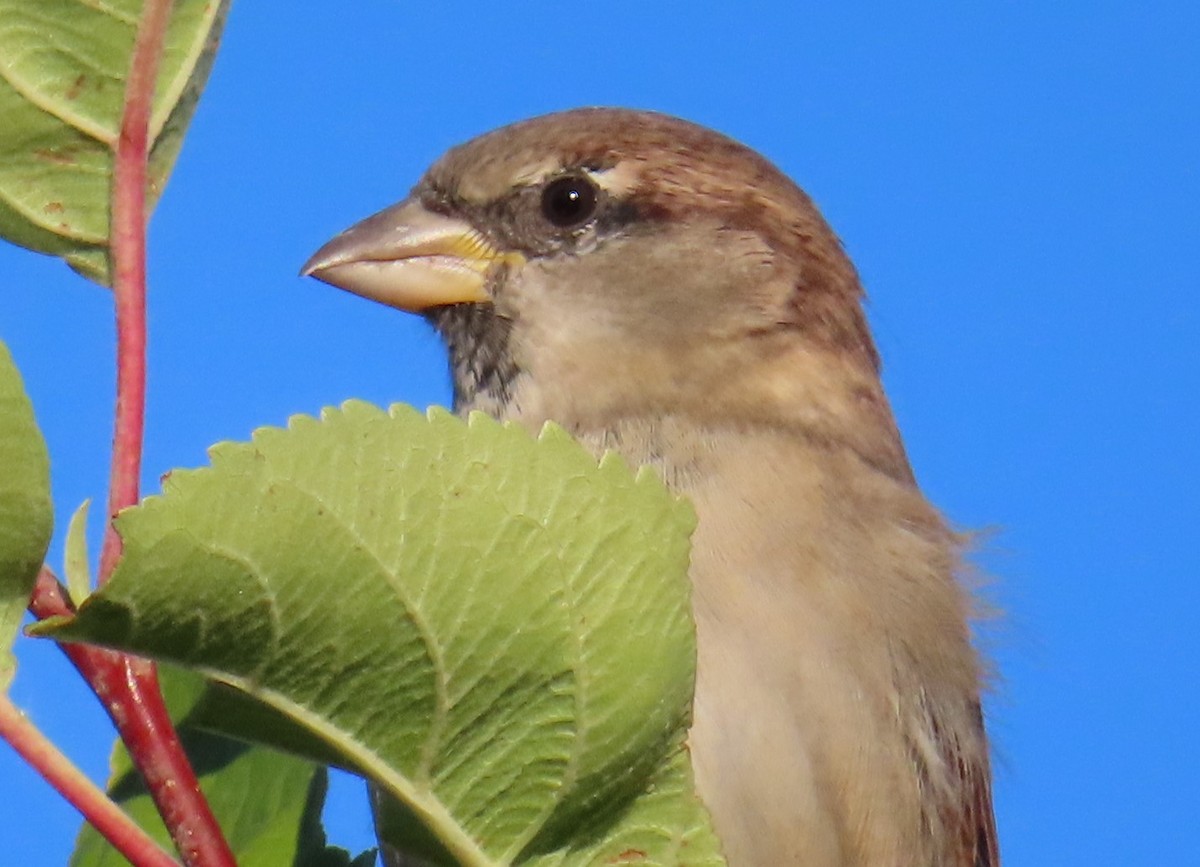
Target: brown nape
(829, 320)
(826, 302)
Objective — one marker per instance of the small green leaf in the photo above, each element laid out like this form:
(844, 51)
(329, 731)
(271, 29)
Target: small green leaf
(79, 573)
(494, 629)
(62, 83)
(26, 513)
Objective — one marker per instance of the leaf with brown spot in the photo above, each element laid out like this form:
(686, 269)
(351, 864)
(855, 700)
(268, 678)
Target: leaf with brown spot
(62, 83)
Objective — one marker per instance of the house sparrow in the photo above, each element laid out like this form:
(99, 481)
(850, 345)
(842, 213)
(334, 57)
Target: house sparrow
(663, 291)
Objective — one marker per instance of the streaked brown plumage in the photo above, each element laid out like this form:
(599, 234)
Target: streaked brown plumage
(660, 290)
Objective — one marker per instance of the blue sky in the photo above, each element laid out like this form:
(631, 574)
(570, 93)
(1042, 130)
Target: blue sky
(1018, 183)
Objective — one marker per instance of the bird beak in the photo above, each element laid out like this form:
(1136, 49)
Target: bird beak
(408, 257)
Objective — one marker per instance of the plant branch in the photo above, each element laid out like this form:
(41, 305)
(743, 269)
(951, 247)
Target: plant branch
(127, 242)
(128, 686)
(119, 681)
(120, 830)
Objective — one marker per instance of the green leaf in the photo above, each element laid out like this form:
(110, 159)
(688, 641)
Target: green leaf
(225, 710)
(268, 804)
(79, 573)
(667, 825)
(494, 629)
(63, 66)
(26, 513)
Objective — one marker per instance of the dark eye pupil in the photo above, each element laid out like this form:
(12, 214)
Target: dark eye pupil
(568, 201)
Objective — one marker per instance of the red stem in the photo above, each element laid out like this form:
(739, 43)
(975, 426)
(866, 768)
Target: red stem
(124, 834)
(128, 686)
(119, 681)
(127, 241)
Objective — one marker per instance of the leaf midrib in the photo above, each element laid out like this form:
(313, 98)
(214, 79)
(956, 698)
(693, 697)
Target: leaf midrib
(421, 800)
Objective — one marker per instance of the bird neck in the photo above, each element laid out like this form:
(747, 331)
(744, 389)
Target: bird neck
(822, 396)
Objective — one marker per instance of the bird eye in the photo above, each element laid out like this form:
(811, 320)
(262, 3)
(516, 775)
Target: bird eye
(569, 201)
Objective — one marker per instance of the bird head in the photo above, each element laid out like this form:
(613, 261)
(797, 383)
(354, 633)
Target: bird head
(604, 264)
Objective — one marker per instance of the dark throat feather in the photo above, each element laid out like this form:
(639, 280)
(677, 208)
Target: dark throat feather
(481, 363)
